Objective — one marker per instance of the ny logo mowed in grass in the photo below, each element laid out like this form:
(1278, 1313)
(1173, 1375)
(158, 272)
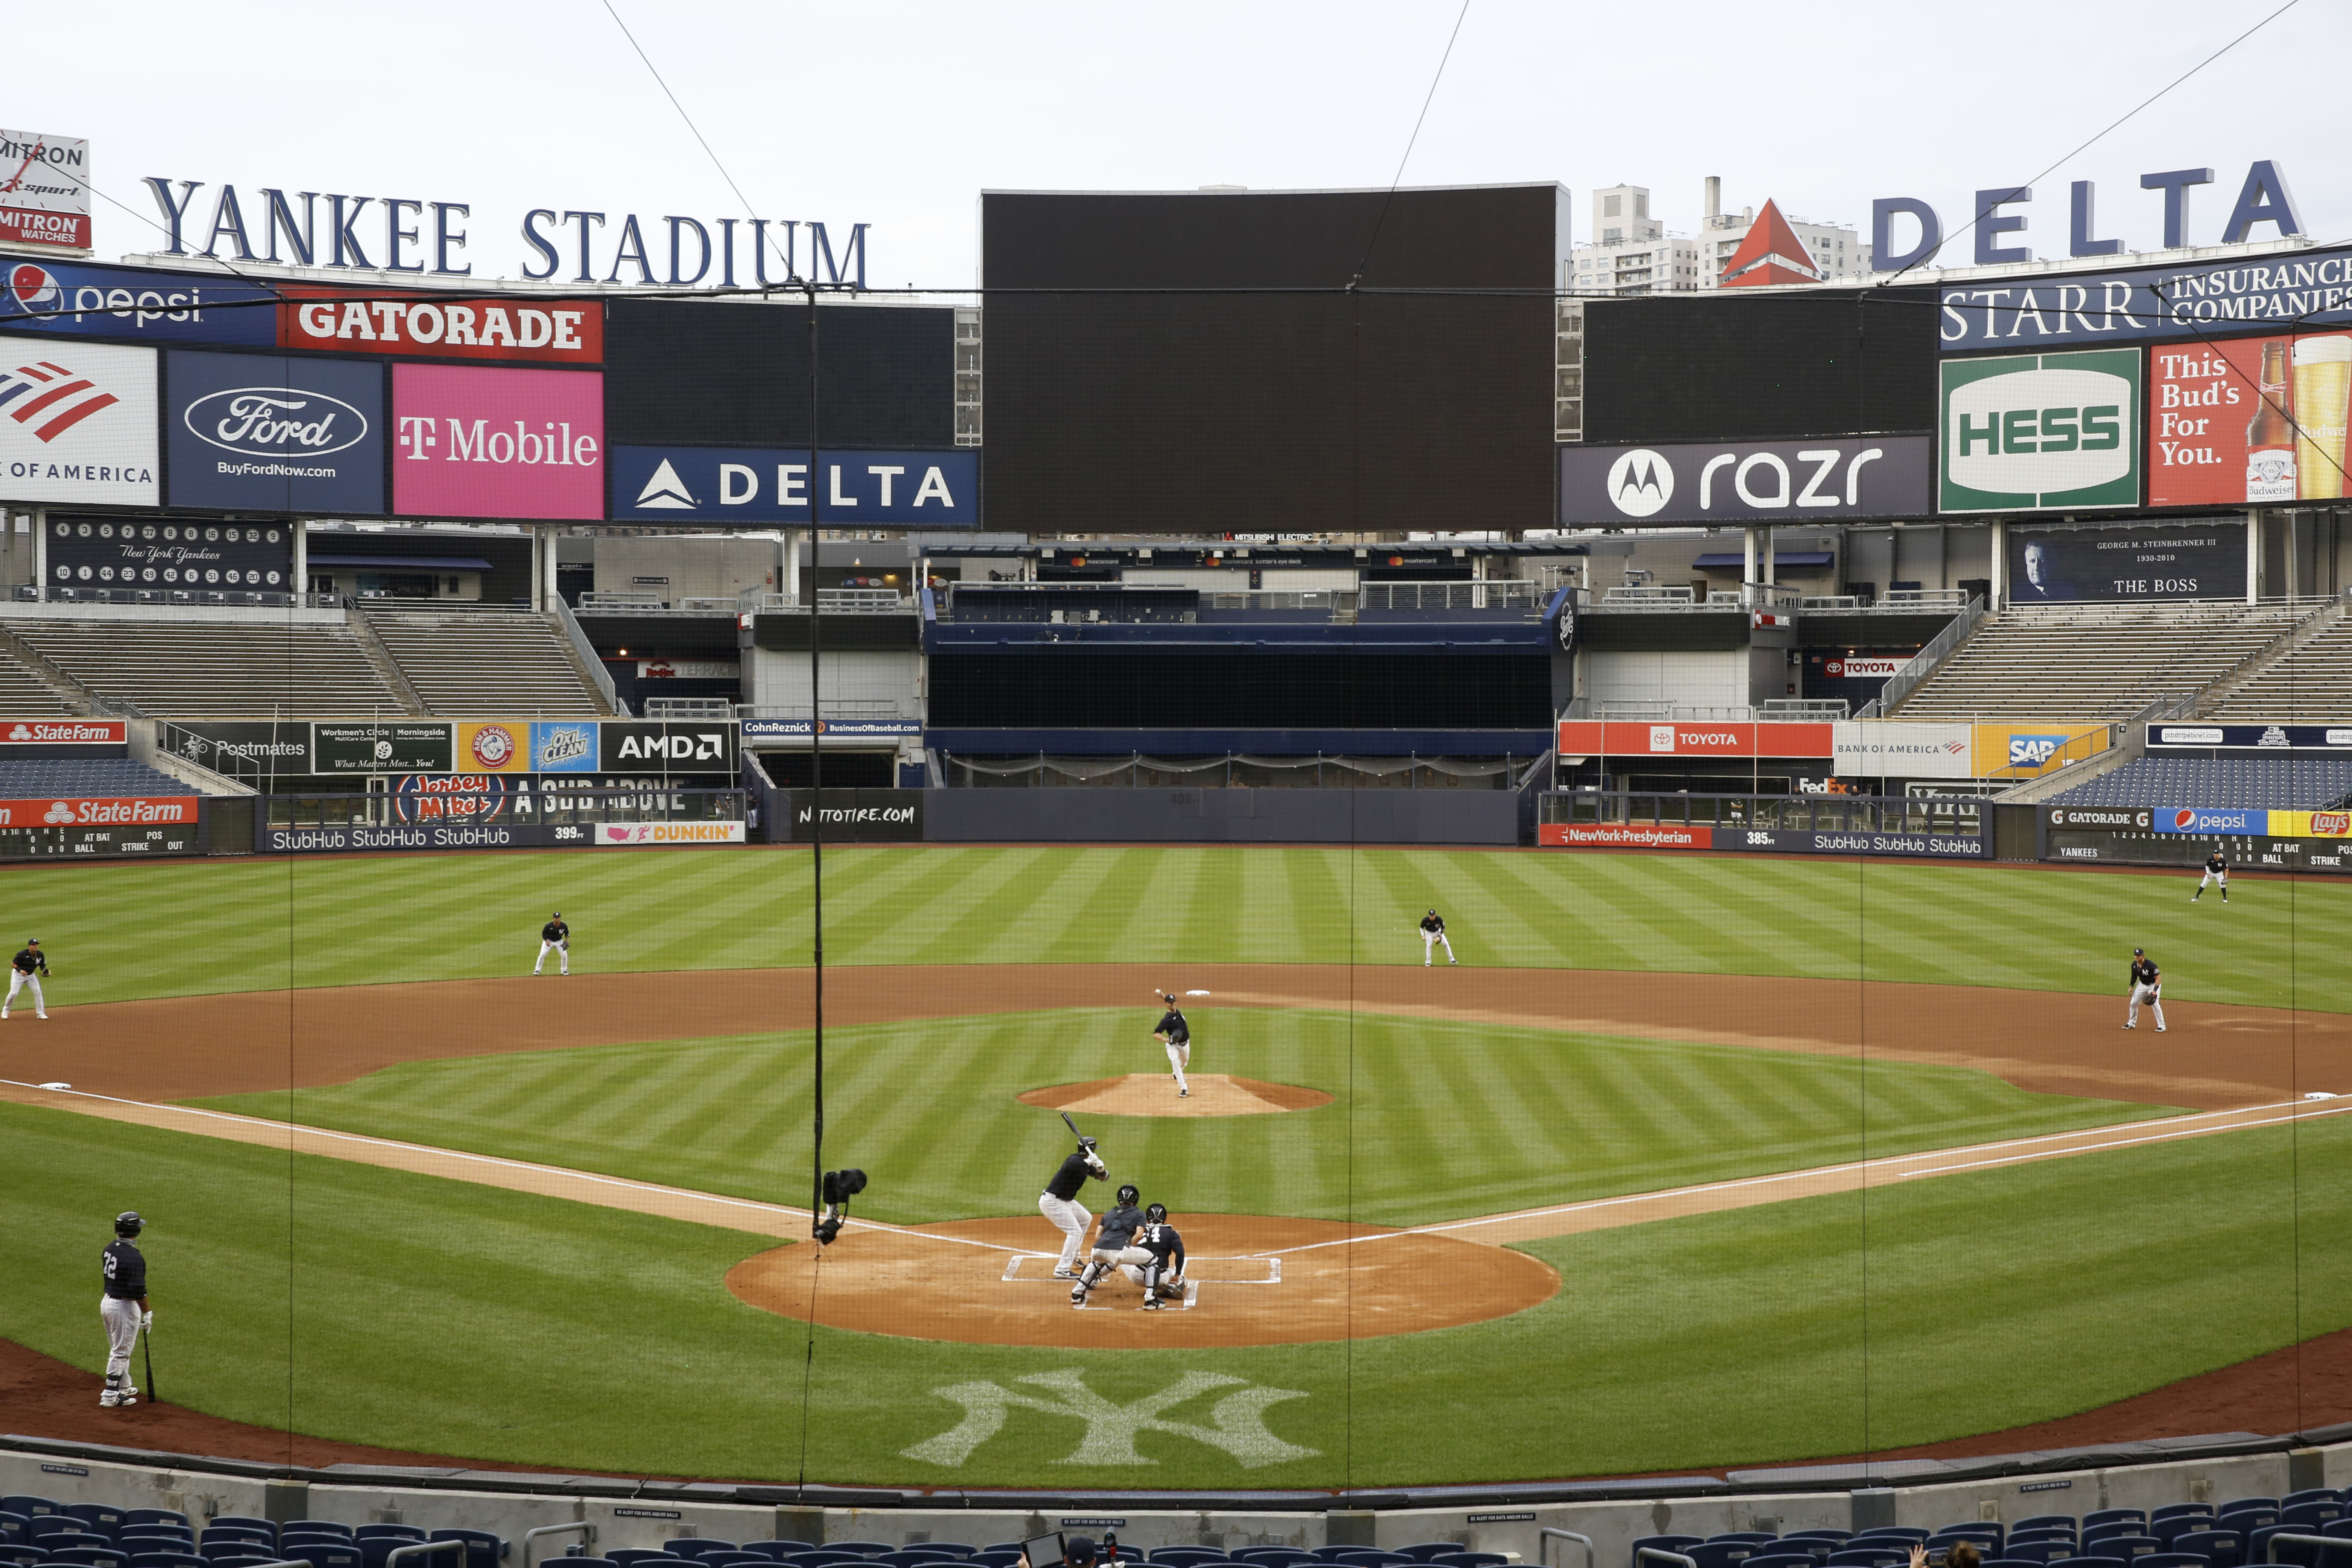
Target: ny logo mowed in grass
(1236, 1423)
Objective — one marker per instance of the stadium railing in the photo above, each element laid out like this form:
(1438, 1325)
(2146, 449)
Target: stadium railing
(41, 593)
(561, 806)
(1936, 649)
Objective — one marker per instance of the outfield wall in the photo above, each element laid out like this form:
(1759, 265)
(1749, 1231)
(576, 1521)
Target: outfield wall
(1222, 816)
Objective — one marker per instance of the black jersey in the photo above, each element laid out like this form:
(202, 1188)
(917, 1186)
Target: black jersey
(1432, 924)
(1119, 1226)
(29, 959)
(554, 931)
(1073, 1175)
(1163, 1242)
(2144, 972)
(1172, 1024)
(2216, 862)
(125, 1269)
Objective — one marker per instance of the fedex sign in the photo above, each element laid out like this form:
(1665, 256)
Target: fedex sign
(497, 443)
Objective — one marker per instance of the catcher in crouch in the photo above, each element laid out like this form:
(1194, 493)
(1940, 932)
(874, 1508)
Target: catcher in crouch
(1151, 1256)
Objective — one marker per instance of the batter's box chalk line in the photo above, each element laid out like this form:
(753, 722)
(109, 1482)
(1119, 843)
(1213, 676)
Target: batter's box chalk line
(1037, 1268)
(1191, 1300)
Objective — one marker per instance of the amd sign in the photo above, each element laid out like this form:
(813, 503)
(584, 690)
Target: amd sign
(1762, 481)
(675, 748)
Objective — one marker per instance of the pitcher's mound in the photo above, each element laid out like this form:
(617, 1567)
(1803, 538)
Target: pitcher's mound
(1154, 1094)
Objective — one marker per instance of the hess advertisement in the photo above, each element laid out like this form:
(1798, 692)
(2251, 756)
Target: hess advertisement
(497, 443)
(258, 433)
(2253, 420)
(2059, 566)
(78, 426)
(2026, 431)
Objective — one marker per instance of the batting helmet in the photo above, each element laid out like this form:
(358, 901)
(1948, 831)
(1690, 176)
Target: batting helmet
(128, 1223)
(1128, 1195)
(1086, 1143)
(1157, 1213)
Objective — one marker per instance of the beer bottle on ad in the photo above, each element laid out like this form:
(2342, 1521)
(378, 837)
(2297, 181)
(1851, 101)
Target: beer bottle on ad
(2270, 438)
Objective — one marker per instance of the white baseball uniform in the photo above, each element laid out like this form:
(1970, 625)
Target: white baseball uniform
(1069, 1216)
(1431, 936)
(17, 981)
(2147, 985)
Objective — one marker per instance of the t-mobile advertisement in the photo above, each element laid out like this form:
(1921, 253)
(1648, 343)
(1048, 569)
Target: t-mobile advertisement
(2252, 420)
(497, 443)
(2058, 565)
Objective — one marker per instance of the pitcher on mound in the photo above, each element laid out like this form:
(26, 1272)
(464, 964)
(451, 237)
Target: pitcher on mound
(1176, 1035)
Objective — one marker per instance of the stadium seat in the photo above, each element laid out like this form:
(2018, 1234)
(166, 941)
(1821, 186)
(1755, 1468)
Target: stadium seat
(107, 1555)
(1869, 1557)
(2096, 1562)
(324, 1551)
(2169, 1530)
(2250, 1514)
(167, 1559)
(2126, 1547)
(42, 1526)
(1706, 1554)
(1904, 1532)
(2041, 1535)
(265, 1529)
(153, 1538)
(1364, 1557)
(259, 1559)
(2056, 1548)
(99, 1518)
(68, 1541)
(31, 1507)
(2309, 1494)
(389, 1531)
(1681, 1543)
(1805, 1546)
(874, 1548)
(21, 1554)
(2172, 1559)
(697, 1546)
(1203, 1553)
(1420, 1551)
(154, 1516)
(2064, 1521)
(2108, 1516)
(777, 1549)
(1782, 1559)
(483, 1549)
(2009, 1562)
(634, 1557)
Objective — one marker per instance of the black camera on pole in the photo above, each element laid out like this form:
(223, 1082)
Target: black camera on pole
(840, 1186)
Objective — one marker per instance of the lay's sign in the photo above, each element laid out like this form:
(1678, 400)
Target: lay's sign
(2311, 823)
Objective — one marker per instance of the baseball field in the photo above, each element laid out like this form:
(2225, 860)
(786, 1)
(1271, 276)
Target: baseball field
(1690, 1162)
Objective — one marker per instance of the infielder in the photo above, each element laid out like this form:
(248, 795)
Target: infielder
(1163, 1277)
(28, 968)
(1059, 1202)
(1111, 1244)
(1432, 932)
(2147, 985)
(555, 937)
(123, 1307)
(2217, 869)
(1173, 1033)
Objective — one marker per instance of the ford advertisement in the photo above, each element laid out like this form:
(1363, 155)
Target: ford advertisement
(258, 433)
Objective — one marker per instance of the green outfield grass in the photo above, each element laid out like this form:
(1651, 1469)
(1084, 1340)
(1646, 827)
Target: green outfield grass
(379, 1307)
(1430, 1120)
(182, 928)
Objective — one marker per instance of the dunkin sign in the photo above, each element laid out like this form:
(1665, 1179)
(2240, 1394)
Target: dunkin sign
(470, 442)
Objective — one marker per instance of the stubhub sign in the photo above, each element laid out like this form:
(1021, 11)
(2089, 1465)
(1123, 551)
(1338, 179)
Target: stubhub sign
(763, 484)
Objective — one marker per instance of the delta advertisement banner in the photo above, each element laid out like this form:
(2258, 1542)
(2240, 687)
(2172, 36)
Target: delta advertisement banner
(2049, 430)
(2252, 420)
(143, 553)
(2126, 564)
(78, 427)
(472, 442)
(2336, 738)
(1637, 737)
(263, 433)
(441, 326)
(1771, 481)
(79, 300)
(44, 190)
(771, 485)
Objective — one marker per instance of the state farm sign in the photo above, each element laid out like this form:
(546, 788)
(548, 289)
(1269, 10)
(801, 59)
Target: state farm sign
(125, 811)
(556, 332)
(62, 733)
(497, 443)
(1615, 737)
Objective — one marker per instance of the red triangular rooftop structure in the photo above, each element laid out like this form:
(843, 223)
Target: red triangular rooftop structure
(1771, 254)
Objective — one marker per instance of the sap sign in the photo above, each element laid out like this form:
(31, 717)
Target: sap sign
(2042, 430)
(745, 484)
(2206, 821)
(2033, 751)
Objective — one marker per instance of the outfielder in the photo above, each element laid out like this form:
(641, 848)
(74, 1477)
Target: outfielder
(2147, 985)
(1059, 1202)
(555, 937)
(123, 1307)
(2217, 869)
(1163, 1277)
(28, 968)
(1432, 932)
(1173, 1033)
(1112, 1247)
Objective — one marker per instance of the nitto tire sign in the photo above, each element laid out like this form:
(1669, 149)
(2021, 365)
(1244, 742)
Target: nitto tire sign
(1775, 481)
(2035, 431)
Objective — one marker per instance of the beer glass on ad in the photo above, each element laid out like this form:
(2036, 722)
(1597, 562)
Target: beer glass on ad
(2323, 387)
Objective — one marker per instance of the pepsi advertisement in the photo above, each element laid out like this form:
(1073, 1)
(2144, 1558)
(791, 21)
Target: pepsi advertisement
(262, 433)
(78, 299)
(770, 485)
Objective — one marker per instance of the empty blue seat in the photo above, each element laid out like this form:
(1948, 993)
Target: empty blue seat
(695, 1546)
(1869, 1557)
(2123, 1546)
(324, 1551)
(389, 1532)
(2311, 1494)
(2247, 1516)
(154, 1516)
(28, 1505)
(101, 1518)
(873, 1548)
(2311, 1515)
(138, 1538)
(1420, 1551)
(19, 1553)
(483, 1549)
(2007, 1562)
(2235, 1503)
(1203, 1553)
(67, 1539)
(1681, 1544)
(1706, 1554)
(42, 1526)
(167, 1559)
(1830, 1535)
(2171, 1560)
(777, 1549)
(2057, 1549)
(106, 1556)
(1782, 1559)
(1470, 1560)
(1903, 1532)
(230, 1543)
(258, 1561)
(1753, 1537)
(265, 1528)
(737, 1560)
(2098, 1517)
(2221, 1548)
(2044, 1521)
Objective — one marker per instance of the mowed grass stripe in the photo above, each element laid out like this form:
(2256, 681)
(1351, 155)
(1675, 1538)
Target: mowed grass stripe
(1428, 1127)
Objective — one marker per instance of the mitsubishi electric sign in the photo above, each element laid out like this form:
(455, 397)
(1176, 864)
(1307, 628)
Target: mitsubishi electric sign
(1749, 481)
(2028, 431)
(765, 485)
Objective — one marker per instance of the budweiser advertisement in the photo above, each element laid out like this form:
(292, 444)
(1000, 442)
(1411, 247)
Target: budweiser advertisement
(472, 442)
(78, 425)
(1622, 835)
(1641, 737)
(97, 811)
(437, 326)
(2249, 420)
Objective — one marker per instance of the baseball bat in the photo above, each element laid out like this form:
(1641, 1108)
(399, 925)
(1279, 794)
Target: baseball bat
(147, 1349)
(1072, 1125)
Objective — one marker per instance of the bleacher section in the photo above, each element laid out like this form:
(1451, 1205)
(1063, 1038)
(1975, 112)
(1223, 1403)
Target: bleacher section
(210, 668)
(2313, 680)
(85, 776)
(2269, 783)
(2090, 662)
(486, 663)
(24, 694)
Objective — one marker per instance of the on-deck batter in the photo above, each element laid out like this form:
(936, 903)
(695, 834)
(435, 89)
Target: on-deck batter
(1059, 1202)
(1176, 1034)
(123, 1307)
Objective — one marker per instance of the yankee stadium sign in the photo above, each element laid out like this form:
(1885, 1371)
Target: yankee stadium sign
(393, 234)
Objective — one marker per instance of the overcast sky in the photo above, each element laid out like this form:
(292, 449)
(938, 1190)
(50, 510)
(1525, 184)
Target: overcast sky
(898, 115)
